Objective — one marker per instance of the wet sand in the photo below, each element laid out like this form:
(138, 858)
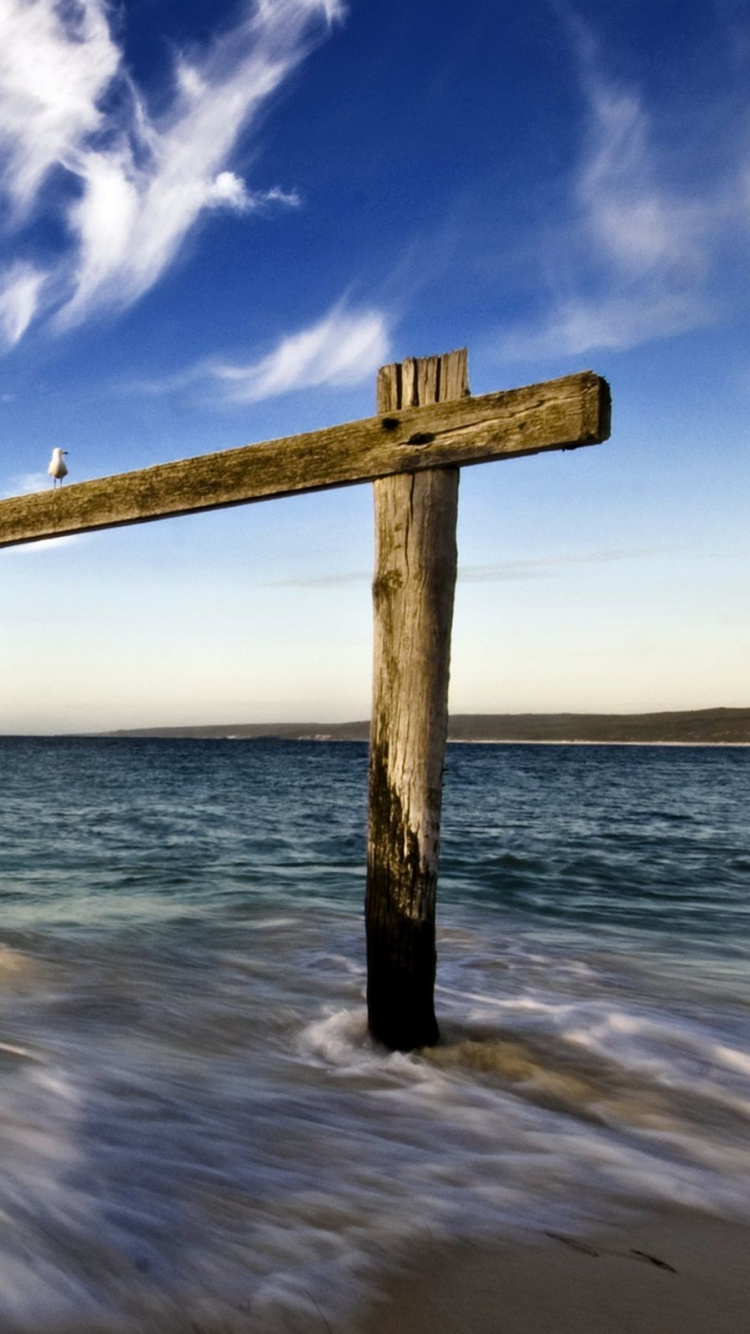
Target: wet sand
(673, 1273)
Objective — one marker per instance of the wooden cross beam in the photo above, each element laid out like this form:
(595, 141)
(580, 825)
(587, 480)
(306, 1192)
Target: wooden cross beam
(559, 414)
(427, 427)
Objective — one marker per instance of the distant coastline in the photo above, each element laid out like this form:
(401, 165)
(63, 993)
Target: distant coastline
(697, 727)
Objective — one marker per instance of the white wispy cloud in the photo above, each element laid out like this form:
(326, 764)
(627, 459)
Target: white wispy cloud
(20, 288)
(56, 63)
(77, 137)
(635, 259)
(635, 222)
(27, 482)
(230, 191)
(344, 348)
(611, 320)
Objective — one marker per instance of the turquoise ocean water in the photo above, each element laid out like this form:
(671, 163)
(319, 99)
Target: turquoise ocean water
(195, 1131)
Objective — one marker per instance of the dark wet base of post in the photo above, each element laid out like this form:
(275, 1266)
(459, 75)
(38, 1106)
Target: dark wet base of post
(400, 1007)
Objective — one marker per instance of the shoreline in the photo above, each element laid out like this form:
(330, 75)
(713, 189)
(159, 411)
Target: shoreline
(667, 1271)
(517, 741)
(717, 727)
(330, 739)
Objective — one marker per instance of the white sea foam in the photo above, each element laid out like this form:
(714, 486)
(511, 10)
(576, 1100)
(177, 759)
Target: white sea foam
(195, 1127)
(10, 1049)
(230, 1161)
(733, 1060)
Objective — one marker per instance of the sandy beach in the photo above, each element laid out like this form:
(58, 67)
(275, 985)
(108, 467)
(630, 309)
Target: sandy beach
(669, 1273)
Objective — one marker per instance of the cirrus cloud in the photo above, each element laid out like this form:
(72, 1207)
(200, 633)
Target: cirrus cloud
(636, 258)
(77, 138)
(343, 348)
(20, 288)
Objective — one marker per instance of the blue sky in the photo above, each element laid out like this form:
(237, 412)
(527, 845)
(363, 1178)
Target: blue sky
(219, 219)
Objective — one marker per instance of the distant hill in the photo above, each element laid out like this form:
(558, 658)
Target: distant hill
(697, 726)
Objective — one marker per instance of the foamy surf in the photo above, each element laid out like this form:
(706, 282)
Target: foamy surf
(269, 1177)
(195, 1127)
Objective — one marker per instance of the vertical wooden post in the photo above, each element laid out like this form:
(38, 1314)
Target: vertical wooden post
(415, 574)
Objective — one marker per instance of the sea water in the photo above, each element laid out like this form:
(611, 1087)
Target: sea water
(196, 1132)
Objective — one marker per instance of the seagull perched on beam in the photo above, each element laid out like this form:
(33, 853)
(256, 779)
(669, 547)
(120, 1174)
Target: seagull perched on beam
(58, 468)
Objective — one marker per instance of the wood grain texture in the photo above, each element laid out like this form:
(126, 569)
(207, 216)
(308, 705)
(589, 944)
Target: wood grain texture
(559, 414)
(415, 575)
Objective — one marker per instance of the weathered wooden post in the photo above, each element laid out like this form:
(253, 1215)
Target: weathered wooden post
(426, 428)
(415, 575)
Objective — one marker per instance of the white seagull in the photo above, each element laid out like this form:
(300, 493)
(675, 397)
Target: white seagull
(58, 468)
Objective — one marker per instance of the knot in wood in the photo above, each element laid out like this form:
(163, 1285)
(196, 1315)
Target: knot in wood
(421, 438)
(390, 423)
(387, 583)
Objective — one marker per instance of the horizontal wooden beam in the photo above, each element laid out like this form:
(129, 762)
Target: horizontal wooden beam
(559, 414)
